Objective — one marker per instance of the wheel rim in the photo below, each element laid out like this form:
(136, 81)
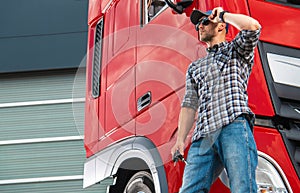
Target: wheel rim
(141, 182)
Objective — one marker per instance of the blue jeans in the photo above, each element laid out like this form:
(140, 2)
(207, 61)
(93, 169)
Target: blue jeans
(232, 147)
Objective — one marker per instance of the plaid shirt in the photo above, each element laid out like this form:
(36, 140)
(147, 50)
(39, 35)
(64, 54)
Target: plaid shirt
(216, 84)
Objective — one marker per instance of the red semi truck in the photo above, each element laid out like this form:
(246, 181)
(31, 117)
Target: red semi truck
(138, 53)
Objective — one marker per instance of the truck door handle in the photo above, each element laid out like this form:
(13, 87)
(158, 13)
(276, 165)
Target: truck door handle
(144, 101)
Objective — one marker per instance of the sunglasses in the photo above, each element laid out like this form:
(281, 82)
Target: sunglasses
(205, 21)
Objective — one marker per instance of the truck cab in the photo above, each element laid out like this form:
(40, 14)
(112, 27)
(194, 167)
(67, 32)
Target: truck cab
(138, 54)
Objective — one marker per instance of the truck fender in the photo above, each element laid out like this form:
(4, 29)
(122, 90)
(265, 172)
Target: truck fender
(107, 162)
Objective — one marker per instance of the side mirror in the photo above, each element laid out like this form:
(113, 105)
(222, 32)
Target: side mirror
(180, 6)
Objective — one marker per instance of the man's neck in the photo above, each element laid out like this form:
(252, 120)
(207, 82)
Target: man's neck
(216, 41)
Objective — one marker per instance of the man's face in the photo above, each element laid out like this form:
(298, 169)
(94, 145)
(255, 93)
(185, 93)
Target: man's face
(207, 30)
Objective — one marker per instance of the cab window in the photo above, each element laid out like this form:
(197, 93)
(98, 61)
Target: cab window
(150, 9)
(292, 3)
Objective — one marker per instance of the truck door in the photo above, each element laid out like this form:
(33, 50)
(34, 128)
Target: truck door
(163, 55)
(120, 89)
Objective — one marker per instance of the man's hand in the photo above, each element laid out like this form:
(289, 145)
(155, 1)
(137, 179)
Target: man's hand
(240, 21)
(215, 15)
(186, 121)
(179, 146)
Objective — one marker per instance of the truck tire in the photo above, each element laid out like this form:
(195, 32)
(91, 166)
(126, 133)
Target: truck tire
(141, 182)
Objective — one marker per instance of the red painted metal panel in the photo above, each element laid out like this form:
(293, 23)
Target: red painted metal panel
(270, 142)
(279, 22)
(258, 92)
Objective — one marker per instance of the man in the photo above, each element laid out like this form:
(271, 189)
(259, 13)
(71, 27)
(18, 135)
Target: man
(216, 89)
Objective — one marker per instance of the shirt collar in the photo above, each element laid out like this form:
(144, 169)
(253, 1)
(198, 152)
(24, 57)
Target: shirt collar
(216, 47)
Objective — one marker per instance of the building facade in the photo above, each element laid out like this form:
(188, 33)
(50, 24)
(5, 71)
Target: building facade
(42, 87)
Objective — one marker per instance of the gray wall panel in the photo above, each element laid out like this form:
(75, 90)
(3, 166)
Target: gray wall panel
(40, 121)
(42, 52)
(37, 160)
(42, 34)
(46, 85)
(55, 187)
(42, 17)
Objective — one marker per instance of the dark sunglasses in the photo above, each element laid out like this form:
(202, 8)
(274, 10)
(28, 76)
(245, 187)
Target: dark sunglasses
(205, 21)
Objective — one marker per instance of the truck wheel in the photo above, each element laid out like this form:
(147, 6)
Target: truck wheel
(141, 182)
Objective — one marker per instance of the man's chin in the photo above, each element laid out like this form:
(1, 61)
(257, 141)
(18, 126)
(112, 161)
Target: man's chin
(203, 39)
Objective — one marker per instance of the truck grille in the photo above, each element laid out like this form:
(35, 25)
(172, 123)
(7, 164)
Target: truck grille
(97, 59)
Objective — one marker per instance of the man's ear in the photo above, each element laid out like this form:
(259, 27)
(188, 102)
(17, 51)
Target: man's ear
(221, 27)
